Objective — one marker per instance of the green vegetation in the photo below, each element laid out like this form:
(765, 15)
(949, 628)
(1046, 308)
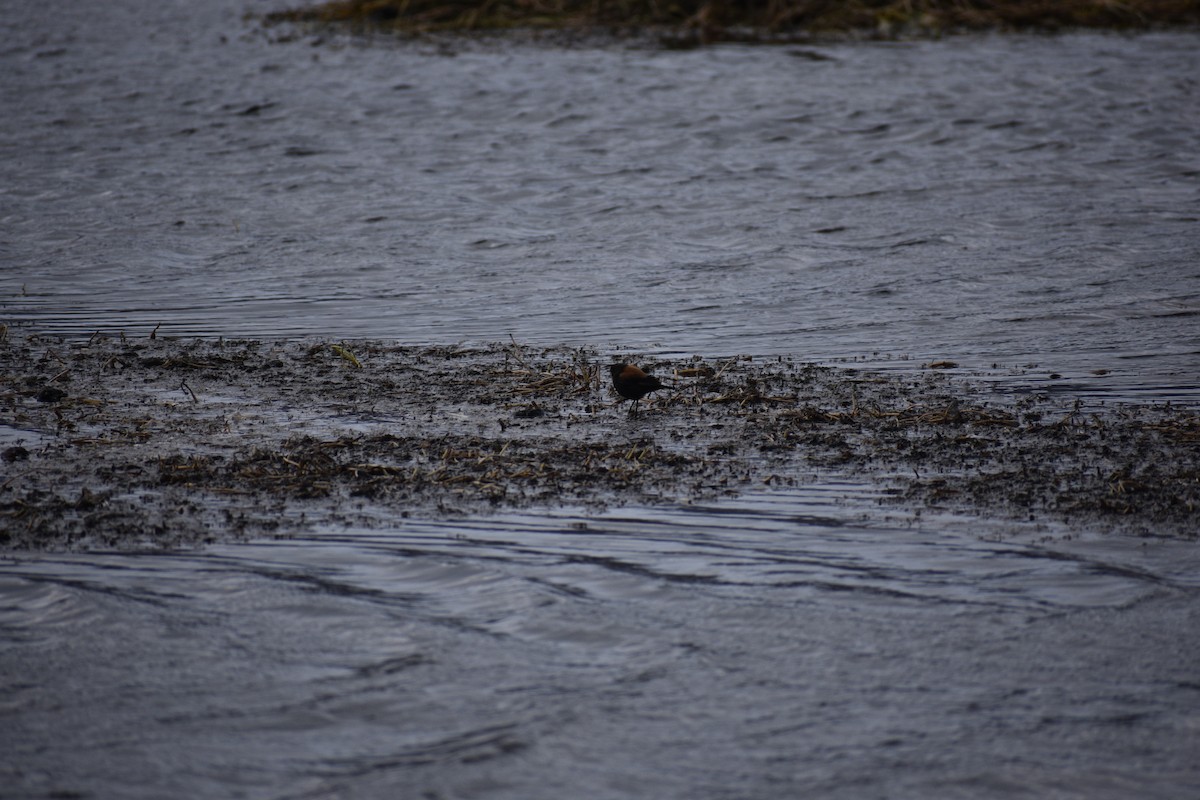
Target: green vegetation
(755, 20)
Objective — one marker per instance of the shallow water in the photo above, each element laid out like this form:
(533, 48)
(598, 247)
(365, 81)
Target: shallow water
(771, 647)
(991, 200)
(1007, 200)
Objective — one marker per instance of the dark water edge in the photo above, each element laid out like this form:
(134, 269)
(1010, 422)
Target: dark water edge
(697, 22)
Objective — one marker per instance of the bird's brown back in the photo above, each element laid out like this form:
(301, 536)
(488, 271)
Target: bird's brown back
(632, 383)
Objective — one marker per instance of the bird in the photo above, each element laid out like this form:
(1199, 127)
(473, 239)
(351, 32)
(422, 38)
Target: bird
(633, 383)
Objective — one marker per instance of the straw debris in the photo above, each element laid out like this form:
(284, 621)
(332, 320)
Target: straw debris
(168, 442)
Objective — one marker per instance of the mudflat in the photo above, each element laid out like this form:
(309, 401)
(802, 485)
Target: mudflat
(115, 442)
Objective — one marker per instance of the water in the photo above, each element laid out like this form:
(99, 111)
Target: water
(991, 200)
(986, 199)
(765, 648)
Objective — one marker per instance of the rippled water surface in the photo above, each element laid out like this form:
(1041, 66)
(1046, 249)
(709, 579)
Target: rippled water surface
(1011, 199)
(1008, 200)
(772, 647)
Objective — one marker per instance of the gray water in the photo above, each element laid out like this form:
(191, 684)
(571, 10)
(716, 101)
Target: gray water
(984, 199)
(1013, 200)
(771, 647)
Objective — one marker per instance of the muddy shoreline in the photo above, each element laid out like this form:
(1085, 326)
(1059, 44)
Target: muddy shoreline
(119, 442)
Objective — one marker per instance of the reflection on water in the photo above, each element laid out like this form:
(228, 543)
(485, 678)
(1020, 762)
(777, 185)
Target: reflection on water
(772, 643)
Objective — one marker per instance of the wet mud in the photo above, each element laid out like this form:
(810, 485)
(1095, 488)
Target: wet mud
(162, 442)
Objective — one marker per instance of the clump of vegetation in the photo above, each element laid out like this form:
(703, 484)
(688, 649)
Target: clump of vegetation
(166, 442)
(761, 20)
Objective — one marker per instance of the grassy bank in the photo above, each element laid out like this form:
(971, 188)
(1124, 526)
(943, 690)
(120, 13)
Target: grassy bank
(717, 20)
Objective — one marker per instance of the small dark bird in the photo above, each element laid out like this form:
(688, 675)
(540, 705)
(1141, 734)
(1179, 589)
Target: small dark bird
(633, 384)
